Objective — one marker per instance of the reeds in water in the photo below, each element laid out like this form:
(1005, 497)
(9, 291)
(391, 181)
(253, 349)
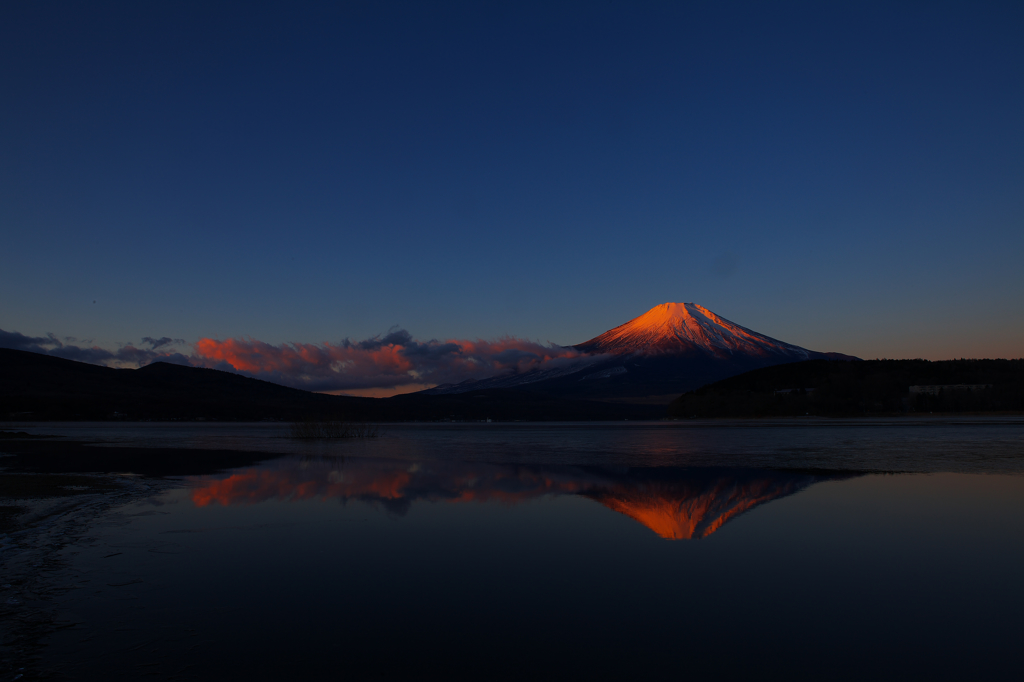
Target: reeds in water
(331, 429)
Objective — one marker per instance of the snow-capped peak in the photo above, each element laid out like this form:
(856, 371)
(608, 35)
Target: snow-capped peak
(682, 327)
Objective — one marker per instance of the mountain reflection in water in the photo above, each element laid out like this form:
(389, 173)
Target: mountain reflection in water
(675, 503)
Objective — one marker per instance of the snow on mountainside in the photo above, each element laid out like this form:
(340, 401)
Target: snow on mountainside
(673, 328)
(670, 349)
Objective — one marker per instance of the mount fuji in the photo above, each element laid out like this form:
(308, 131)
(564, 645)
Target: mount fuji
(653, 358)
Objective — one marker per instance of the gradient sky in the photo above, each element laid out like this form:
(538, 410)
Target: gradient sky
(843, 176)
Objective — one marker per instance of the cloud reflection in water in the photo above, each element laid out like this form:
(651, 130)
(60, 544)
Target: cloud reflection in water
(675, 503)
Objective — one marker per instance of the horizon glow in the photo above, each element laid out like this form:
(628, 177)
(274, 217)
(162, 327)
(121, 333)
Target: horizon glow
(378, 367)
(844, 178)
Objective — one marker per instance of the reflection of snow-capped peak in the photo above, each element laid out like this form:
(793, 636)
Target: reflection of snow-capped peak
(687, 512)
(681, 327)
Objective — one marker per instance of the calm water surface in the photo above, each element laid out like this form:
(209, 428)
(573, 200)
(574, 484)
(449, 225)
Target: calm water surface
(798, 550)
(982, 445)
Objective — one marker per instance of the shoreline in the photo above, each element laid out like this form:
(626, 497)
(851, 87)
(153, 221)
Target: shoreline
(35, 557)
(53, 492)
(12, 430)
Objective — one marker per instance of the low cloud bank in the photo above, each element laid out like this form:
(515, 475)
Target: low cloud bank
(395, 359)
(125, 356)
(387, 361)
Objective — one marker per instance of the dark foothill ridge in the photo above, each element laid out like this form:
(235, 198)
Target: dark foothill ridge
(36, 387)
(870, 387)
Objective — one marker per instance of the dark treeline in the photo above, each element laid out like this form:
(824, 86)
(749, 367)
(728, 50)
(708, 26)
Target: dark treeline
(829, 388)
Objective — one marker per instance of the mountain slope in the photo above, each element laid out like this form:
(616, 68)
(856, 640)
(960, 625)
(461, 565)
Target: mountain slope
(675, 328)
(670, 349)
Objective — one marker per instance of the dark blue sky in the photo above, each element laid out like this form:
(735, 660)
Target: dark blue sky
(846, 177)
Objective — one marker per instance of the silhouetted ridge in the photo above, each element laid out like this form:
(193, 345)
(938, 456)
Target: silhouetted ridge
(37, 387)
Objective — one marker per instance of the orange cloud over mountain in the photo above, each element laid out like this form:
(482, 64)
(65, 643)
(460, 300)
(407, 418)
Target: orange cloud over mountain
(393, 360)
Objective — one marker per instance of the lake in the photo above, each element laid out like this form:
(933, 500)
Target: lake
(797, 549)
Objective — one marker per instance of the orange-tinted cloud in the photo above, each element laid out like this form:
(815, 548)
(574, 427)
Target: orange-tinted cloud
(374, 367)
(382, 362)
